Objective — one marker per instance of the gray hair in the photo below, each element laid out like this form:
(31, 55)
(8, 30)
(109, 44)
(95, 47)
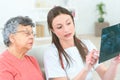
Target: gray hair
(11, 26)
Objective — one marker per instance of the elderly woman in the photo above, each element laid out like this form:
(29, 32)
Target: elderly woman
(14, 63)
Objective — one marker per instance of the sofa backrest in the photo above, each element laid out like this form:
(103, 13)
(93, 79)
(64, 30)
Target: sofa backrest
(38, 51)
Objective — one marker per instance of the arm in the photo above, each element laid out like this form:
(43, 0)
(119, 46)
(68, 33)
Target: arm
(81, 76)
(91, 60)
(54, 71)
(109, 74)
(52, 65)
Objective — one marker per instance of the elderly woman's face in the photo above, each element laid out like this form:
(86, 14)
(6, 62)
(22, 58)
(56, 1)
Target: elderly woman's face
(23, 38)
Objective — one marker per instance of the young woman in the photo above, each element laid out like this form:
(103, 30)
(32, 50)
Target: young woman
(69, 58)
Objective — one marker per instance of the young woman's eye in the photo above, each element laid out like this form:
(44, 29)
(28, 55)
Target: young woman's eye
(68, 23)
(59, 27)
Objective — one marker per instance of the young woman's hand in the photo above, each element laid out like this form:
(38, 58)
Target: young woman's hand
(91, 59)
(116, 60)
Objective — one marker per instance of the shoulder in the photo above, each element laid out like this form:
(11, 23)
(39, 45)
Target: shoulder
(6, 68)
(3, 57)
(51, 51)
(3, 65)
(51, 46)
(2, 60)
(31, 58)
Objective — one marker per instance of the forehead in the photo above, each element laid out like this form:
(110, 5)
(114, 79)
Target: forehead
(22, 27)
(61, 17)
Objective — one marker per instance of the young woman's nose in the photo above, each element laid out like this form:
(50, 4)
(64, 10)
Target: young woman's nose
(66, 28)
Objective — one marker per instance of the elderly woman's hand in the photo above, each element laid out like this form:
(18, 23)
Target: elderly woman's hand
(91, 59)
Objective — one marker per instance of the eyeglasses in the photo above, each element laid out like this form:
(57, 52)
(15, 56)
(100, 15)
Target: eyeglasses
(26, 32)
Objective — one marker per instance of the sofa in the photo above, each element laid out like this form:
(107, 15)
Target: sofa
(38, 52)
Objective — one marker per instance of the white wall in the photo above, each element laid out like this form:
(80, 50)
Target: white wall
(86, 13)
(11, 8)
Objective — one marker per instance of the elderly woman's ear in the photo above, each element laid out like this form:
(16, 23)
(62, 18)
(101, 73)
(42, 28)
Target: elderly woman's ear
(11, 38)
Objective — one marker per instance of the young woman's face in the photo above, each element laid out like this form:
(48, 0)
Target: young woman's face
(63, 27)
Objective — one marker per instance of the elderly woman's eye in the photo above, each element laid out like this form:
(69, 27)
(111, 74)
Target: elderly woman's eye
(29, 33)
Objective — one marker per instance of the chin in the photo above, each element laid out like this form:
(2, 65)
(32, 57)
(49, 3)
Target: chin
(29, 48)
(70, 38)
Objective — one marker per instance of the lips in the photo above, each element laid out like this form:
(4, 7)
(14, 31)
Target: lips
(31, 43)
(67, 35)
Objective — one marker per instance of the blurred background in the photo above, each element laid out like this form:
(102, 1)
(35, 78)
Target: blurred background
(85, 14)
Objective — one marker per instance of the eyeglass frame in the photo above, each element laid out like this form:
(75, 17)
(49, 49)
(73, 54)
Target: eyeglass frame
(28, 33)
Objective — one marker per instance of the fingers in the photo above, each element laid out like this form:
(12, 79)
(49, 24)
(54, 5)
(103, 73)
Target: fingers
(96, 54)
(92, 57)
(116, 60)
(117, 57)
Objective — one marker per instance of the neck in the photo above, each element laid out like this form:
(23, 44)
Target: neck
(19, 53)
(67, 44)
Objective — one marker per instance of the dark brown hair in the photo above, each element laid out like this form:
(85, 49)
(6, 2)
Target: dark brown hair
(80, 46)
